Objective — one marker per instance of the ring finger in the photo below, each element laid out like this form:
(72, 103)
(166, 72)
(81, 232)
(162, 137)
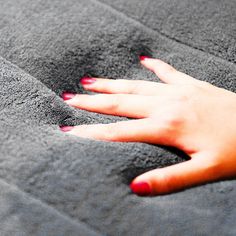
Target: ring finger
(129, 105)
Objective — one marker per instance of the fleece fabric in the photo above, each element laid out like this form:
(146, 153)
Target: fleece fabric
(53, 183)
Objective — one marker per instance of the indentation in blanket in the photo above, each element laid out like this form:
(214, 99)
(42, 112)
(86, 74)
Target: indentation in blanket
(95, 60)
(140, 166)
(57, 42)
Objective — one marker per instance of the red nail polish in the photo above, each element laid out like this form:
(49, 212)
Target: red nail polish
(141, 188)
(66, 128)
(87, 80)
(67, 96)
(142, 58)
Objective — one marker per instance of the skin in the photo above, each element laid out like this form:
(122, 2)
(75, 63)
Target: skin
(183, 112)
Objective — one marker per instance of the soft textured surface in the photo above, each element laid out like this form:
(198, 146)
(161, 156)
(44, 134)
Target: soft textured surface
(56, 184)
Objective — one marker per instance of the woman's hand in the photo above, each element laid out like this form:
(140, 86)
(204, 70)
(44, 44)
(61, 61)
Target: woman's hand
(183, 112)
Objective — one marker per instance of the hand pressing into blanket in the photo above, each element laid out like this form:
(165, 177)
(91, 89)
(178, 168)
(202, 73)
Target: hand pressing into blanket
(183, 112)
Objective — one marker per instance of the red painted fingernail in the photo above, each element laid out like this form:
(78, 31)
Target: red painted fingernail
(66, 128)
(87, 80)
(142, 58)
(141, 188)
(67, 96)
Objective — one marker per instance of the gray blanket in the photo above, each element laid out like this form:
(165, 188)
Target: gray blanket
(53, 183)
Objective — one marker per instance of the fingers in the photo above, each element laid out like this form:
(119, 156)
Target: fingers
(175, 177)
(166, 72)
(141, 130)
(129, 105)
(123, 86)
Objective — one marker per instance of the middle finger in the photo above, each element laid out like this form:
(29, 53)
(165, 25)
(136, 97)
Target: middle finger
(140, 87)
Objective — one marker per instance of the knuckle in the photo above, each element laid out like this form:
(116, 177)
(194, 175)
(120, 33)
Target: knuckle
(171, 128)
(182, 98)
(174, 120)
(104, 84)
(213, 167)
(167, 67)
(130, 86)
(136, 86)
(111, 132)
(170, 69)
(187, 94)
(166, 183)
(114, 103)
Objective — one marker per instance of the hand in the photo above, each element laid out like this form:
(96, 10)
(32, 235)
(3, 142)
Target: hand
(183, 112)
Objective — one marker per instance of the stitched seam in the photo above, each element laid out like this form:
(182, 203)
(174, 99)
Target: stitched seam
(33, 197)
(25, 72)
(73, 221)
(147, 28)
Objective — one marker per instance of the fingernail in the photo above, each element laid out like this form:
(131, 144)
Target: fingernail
(142, 58)
(141, 188)
(66, 128)
(67, 96)
(87, 80)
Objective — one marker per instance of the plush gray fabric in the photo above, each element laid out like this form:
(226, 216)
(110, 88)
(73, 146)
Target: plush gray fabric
(23, 215)
(206, 25)
(52, 182)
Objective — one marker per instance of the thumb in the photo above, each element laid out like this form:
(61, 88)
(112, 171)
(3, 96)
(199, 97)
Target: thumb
(175, 177)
